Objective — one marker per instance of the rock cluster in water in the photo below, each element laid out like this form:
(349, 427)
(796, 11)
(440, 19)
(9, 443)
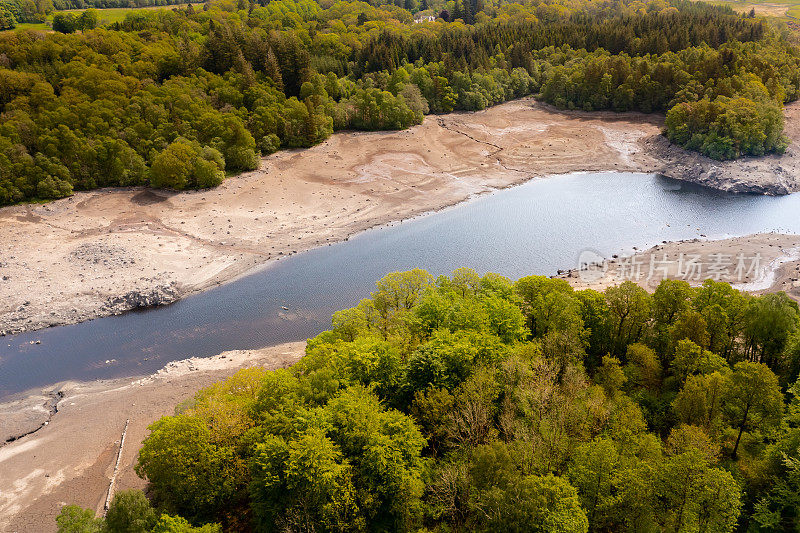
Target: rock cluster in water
(139, 299)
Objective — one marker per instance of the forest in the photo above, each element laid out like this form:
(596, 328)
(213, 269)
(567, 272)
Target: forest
(181, 98)
(469, 403)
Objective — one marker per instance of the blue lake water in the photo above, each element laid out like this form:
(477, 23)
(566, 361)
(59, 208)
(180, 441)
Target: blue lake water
(535, 228)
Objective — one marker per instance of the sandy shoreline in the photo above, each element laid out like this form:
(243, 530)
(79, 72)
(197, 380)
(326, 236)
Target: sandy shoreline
(104, 252)
(764, 262)
(71, 458)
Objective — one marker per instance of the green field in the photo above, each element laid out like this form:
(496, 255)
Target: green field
(105, 16)
(31, 26)
(117, 14)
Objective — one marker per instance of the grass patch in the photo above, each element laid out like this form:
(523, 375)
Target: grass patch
(29, 26)
(32, 26)
(118, 14)
(105, 16)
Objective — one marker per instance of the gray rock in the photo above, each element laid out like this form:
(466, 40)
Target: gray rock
(769, 175)
(155, 297)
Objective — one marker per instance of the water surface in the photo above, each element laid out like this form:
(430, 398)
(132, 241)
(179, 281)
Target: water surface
(535, 228)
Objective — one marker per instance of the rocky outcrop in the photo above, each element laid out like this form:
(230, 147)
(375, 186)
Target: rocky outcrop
(20, 320)
(155, 297)
(773, 175)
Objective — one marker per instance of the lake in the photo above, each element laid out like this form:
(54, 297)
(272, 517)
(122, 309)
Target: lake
(535, 228)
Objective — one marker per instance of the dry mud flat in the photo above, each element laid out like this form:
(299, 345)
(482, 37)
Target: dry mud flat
(103, 252)
(70, 460)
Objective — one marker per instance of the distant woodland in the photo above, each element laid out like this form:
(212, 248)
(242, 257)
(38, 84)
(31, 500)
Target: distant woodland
(179, 98)
(470, 403)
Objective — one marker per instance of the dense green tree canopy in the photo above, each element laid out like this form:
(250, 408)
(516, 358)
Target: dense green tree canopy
(176, 98)
(416, 412)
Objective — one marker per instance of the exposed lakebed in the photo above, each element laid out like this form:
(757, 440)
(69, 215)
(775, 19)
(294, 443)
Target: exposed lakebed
(535, 228)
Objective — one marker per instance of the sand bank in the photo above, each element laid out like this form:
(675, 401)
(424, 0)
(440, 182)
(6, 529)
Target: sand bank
(766, 262)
